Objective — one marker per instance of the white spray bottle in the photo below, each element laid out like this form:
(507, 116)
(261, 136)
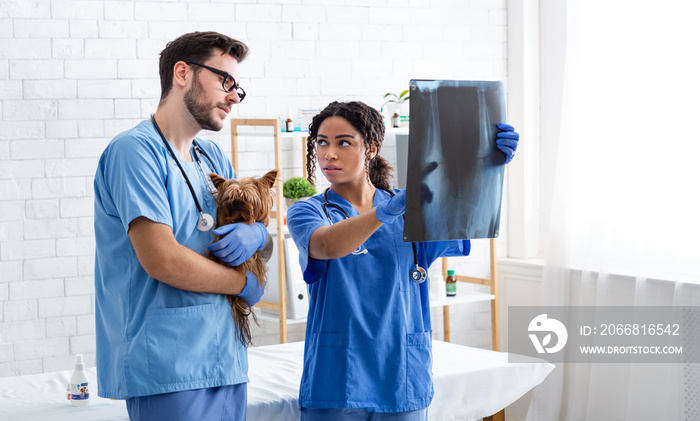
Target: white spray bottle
(80, 396)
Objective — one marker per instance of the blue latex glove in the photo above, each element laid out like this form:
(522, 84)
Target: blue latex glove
(388, 211)
(241, 241)
(252, 292)
(507, 140)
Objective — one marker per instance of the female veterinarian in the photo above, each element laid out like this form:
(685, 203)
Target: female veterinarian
(368, 352)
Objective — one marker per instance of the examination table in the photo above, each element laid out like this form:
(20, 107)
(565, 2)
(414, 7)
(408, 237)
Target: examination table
(470, 383)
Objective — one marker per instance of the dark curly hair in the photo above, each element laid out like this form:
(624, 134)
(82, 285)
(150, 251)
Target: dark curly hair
(365, 120)
(195, 46)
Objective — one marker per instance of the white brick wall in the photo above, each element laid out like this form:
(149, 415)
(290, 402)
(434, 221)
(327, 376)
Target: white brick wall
(74, 73)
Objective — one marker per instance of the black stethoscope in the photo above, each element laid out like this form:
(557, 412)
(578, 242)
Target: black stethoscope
(418, 274)
(205, 221)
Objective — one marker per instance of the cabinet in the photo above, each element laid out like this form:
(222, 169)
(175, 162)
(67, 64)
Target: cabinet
(278, 214)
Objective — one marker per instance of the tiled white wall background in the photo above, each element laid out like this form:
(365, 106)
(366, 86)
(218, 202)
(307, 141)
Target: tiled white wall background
(74, 73)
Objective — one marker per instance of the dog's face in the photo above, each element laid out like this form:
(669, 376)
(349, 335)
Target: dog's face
(248, 199)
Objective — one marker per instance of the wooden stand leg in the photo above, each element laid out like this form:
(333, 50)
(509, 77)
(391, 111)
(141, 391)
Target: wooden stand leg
(499, 416)
(303, 156)
(446, 322)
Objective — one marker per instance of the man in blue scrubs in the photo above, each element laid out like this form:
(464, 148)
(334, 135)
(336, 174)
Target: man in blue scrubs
(166, 341)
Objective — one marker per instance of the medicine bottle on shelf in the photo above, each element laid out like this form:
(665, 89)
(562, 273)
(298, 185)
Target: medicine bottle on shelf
(451, 283)
(289, 126)
(396, 119)
(79, 392)
(437, 287)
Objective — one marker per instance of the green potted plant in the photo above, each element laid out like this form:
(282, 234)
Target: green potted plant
(296, 188)
(398, 99)
(400, 103)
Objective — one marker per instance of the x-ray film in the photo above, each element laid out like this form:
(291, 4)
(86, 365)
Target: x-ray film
(455, 171)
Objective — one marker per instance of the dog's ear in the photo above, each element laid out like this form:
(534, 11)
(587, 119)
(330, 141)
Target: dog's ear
(217, 180)
(269, 179)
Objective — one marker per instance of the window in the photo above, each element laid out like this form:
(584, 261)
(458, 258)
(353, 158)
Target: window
(626, 145)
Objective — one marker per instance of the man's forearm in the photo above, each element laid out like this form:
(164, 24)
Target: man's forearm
(191, 271)
(170, 262)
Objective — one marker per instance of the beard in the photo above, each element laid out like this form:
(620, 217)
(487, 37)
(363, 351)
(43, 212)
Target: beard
(201, 112)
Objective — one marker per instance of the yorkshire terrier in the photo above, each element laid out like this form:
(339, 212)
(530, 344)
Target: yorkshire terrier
(247, 200)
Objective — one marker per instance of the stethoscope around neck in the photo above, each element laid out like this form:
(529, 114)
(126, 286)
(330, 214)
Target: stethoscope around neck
(418, 274)
(205, 222)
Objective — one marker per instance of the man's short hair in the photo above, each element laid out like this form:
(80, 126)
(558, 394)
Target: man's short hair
(195, 46)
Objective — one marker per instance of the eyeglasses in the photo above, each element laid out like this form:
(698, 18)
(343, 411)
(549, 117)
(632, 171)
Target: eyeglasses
(228, 83)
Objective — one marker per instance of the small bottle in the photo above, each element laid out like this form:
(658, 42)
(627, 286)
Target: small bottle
(437, 287)
(396, 119)
(79, 392)
(451, 283)
(289, 126)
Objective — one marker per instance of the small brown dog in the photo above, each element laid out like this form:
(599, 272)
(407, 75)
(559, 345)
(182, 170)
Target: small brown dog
(247, 200)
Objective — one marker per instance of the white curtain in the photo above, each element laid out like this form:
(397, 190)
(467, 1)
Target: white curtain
(625, 222)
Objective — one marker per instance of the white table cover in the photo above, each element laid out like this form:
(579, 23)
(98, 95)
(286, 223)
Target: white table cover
(470, 383)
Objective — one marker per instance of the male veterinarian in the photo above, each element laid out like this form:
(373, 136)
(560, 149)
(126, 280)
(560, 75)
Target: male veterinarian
(165, 336)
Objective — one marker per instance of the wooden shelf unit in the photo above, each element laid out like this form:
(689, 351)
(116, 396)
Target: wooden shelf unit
(281, 306)
(493, 296)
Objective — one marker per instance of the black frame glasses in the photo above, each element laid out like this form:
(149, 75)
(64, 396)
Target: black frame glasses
(226, 76)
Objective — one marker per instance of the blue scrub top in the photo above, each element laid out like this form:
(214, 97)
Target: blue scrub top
(368, 334)
(153, 338)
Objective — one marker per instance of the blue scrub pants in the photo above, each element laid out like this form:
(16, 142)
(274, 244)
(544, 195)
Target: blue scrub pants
(354, 414)
(225, 403)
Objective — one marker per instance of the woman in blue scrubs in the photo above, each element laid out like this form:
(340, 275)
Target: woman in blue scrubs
(367, 353)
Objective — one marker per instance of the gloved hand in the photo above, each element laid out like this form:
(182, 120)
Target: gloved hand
(252, 291)
(507, 140)
(389, 210)
(241, 241)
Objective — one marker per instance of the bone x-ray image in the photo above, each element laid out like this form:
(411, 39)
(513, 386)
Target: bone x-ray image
(455, 171)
